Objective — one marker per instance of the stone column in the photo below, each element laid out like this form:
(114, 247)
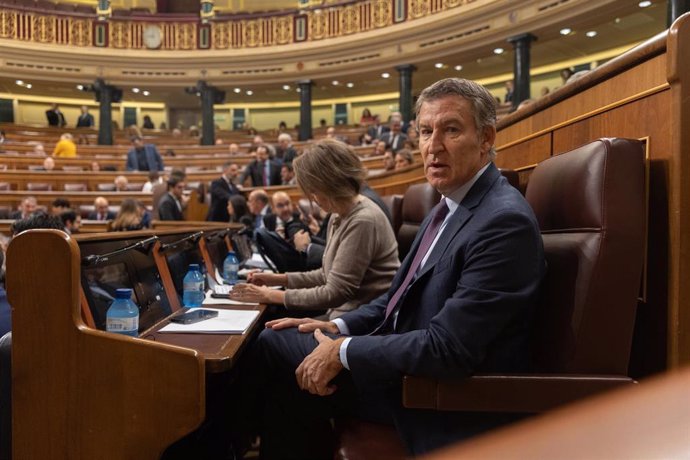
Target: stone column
(305, 109)
(207, 125)
(405, 88)
(521, 67)
(105, 95)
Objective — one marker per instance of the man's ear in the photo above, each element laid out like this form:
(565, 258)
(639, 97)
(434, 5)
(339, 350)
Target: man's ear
(488, 138)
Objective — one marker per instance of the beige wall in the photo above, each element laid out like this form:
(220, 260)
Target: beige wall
(381, 108)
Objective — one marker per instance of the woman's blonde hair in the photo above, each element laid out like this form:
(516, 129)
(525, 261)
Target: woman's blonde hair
(129, 216)
(331, 168)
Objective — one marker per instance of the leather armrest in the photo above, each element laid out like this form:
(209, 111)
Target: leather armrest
(505, 393)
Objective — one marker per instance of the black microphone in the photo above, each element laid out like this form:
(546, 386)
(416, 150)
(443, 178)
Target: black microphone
(193, 238)
(219, 235)
(95, 259)
(248, 223)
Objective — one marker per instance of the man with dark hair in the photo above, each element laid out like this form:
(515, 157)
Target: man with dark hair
(71, 221)
(263, 171)
(60, 205)
(143, 157)
(55, 117)
(170, 207)
(85, 119)
(40, 219)
(460, 303)
(221, 191)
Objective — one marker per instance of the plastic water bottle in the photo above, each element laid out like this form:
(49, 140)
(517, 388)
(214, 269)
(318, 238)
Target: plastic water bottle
(193, 287)
(230, 268)
(123, 315)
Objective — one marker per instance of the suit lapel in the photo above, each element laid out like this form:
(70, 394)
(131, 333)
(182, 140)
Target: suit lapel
(460, 217)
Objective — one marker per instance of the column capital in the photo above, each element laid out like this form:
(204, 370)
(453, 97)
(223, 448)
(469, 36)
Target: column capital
(522, 38)
(405, 67)
(306, 82)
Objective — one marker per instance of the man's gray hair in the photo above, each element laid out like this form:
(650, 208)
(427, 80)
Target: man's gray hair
(483, 103)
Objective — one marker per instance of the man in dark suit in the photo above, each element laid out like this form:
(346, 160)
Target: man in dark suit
(143, 157)
(286, 151)
(101, 210)
(55, 117)
(26, 208)
(263, 171)
(461, 302)
(85, 120)
(395, 138)
(221, 191)
(172, 203)
(377, 130)
(285, 222)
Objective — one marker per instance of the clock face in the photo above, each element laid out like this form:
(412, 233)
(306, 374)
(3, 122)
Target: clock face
(152, 37)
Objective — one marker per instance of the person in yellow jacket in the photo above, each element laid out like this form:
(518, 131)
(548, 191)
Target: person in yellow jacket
(65, 148)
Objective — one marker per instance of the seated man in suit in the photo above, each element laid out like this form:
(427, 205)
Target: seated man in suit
(143, 157)
(460, 303)
(172, 204)
(26, 208)
(263, 171)
(395, 138)
(221, 191)
(259, 207)
(377, 130)
(101, 210)
(285, 222)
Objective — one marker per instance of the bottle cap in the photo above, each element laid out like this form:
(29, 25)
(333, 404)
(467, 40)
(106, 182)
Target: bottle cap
(231, 253)
(124, 293)
(193, 267)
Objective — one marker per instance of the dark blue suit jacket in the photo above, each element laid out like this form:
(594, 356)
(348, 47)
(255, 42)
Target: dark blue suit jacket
(153, 158)
(468, 311)
(221, 192)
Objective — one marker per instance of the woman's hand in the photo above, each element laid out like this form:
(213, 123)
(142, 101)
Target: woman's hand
(302, 240)
(252, 293)
(267, 279)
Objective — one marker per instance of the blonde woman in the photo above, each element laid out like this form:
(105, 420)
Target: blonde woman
(361, 254)
(129, 217)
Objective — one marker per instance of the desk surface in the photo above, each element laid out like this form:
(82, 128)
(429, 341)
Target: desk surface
(220, 351)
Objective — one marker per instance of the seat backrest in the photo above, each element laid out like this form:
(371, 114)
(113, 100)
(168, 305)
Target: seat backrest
(76, 188)
(417, 202)
(38, 187)
(590, 204)
(106, 187)
(394, 205)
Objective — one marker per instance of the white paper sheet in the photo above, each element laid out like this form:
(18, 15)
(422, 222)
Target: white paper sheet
(227, 322)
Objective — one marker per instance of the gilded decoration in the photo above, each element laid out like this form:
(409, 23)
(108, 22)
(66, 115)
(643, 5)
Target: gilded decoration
(319, 25)
(8, 24)
(252, 33)
(283, 30)
(419, 8)
(221, 35)
(44, 29)
(186, 36)
(119, 34)
(80, 33)
(332, 20)
(383, 13)
(349, 20)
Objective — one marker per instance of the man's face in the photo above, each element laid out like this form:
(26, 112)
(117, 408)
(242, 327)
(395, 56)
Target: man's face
(380, 148)
(452, 149)
(138, 143)
(400, 162)
(283, 207)
(284, 143)
(28, 206)
(178, 190)
(330, 132)
(395, 127)
(101, 207)
(261, 154)
(285, 174)
(234, 148)
(255, 205)
(388, 161)
(232, 171)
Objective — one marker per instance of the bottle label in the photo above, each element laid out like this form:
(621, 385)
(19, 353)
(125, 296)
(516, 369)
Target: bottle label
(122, 324)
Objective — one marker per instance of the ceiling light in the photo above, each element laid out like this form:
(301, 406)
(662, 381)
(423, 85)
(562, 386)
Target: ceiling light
(335, 82)
(29, 85)
(237, 90)
(438, 65)
(286, 87)
(249, 92)
(458, 68)
(19, 82)
(617, 20)
(350, 85)
(566, 31)
(299, 90)
(135, 90)
(644, 4)
(498, 50)
(145, 93)
(591, 33)
(80, 87)
(385, 75)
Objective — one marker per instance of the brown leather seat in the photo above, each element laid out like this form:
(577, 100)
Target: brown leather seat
(38, 187)
(590, 206)
(76, 188)
(394, 205)
(417, 202)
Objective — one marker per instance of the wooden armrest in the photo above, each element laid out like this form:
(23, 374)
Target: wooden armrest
(505, 393)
